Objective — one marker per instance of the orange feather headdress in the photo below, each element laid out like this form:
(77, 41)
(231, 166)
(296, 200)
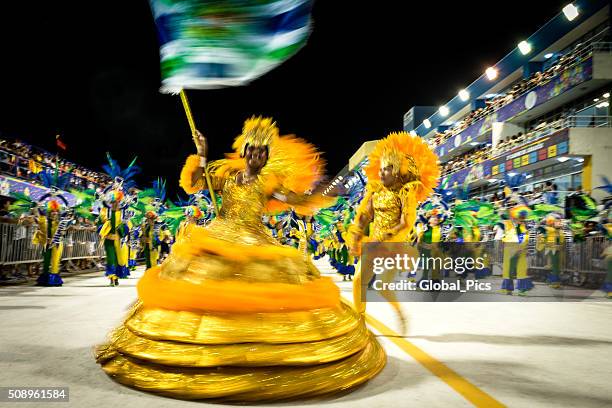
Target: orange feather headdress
(293, 164)
(411, 159)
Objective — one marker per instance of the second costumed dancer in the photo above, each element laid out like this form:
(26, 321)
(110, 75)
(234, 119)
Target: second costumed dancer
(402, 172)
(233, 315)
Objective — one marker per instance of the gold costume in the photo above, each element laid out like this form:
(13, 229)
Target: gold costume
(231, 314)
(415, 169)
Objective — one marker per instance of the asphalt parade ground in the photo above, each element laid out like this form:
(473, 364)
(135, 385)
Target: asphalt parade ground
(513, 354)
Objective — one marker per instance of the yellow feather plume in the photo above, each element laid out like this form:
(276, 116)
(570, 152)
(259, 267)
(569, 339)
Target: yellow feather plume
(415, 161)
(293, 164)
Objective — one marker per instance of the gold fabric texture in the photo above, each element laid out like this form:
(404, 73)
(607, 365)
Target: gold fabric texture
(238, 226)
(240, 356)
(263, 353)
(387, 206)
(235, 357)
(249, 384)
(231, 328)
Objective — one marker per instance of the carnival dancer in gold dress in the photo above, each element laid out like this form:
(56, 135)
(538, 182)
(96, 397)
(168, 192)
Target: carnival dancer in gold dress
(233, 315)
(402, 172)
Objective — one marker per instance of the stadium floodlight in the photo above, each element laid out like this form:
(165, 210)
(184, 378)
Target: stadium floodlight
(443, 110)
(413, 133)
(570, 11)
(595, 99)
(491, 73)
(464, 95)
(606, 95)
(427, 123)
(562, 159)
(524, 47)
(549, 55)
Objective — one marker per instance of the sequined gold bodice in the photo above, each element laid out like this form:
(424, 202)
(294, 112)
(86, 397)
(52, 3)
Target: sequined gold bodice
(243, 204)
(387, 207)
(239, 223)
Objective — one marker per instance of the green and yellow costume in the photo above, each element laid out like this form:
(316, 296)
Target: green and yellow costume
(112, 230)
(52, 252)
(551, 241)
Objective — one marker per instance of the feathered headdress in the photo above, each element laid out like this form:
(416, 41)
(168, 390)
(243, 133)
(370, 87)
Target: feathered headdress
(200, 200)
(584, 208)
(52, 178)
(293, 164)
(472, 213)
(55, 183)
(464, 214)
(543, 212)
(434, 207)
(122, 176)
(154, 198)
(411, 158)
(512, 199)
(257, 131)
(194, 211)
(85, 200)
(22, 204)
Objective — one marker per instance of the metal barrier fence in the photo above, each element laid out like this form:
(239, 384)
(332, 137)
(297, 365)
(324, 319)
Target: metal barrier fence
(16, 245)
(582, 261)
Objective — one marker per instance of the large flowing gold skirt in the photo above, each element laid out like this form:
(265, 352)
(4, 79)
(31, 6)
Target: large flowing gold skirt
(240, 349)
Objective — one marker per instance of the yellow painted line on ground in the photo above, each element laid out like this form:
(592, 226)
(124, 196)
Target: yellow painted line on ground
(465, 388)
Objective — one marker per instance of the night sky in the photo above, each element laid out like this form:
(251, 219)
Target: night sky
(91, 73)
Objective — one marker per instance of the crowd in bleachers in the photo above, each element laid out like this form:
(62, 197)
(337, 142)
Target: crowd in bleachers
(468, 159)
(22, 160)
(479, 154)
(563, 62)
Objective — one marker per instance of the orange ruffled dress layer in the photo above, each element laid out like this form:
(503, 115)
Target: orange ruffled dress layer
(232, 315)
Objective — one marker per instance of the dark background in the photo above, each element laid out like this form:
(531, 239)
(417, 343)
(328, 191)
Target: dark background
(91, 74)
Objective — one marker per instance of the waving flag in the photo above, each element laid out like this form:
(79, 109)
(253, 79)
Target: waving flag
(208, 44)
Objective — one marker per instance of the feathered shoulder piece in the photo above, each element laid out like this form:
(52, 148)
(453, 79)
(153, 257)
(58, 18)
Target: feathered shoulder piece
(410, 157)
(56, 183)
(434, 207)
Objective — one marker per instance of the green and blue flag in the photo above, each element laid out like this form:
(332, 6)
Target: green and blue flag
(206, 44)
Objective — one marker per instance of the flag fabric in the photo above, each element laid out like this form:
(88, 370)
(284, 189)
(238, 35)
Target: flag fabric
(206, 44)
(59, 143)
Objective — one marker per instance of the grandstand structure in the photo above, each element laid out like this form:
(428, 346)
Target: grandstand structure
(21, 164)
(542, 111)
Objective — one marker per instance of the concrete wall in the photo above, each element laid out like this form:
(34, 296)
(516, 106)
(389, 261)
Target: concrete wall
(595, 144)
(602, 66)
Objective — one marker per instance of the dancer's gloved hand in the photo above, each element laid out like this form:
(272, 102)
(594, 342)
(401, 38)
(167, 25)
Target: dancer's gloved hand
(200, 142)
